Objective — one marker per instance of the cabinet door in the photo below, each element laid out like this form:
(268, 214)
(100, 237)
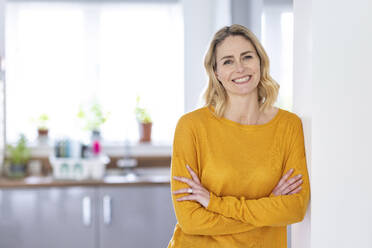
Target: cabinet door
(44, 218)
(136, 216)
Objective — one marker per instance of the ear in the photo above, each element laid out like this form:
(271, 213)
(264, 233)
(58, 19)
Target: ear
(217, 76)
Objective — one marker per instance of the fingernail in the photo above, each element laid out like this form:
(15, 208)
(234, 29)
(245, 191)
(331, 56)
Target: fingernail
(187, 166)
(291, 170)
(299, 175)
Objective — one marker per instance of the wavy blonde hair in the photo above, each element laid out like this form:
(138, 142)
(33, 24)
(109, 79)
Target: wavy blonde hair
(215, 94)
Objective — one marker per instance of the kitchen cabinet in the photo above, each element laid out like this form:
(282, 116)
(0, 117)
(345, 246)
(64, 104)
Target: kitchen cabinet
(47, 217)
(97, 217)
(136, 216)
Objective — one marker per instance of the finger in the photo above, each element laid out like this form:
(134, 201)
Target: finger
(188, 198)
(188, 181)
(284, 178)
(289, 182)
(193, 174)
(277, 188)
(292, 187)
(182, 191)
(295, 191)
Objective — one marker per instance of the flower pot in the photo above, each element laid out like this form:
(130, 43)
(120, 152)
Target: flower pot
(145, 132)
(16, 171)
(42, 132)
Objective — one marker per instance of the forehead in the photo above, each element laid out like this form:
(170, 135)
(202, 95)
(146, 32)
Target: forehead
(233, 45)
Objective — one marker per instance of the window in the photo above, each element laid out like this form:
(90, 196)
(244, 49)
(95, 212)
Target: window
(277, 38)
(63, 55)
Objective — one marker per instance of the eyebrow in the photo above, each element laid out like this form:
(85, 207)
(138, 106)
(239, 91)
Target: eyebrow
(230, 56)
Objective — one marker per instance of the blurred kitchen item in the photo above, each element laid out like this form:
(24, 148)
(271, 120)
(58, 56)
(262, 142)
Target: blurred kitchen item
(127, 162)
(62, 148)
(144, 121)
(92, 116)
(79, 168)
(18, 157)
(85, 153)
(128, 165)
(96, 147)
(35, 168)
(98, 169)
(145, 131)
(42, 122)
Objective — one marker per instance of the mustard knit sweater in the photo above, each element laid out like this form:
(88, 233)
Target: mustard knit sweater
(240, 165)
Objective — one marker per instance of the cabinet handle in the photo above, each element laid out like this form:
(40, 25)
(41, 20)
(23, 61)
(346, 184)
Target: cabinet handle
(107, 210)
(87, 211)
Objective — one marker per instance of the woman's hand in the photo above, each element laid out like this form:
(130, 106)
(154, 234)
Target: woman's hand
(196, 190)
(288, 187)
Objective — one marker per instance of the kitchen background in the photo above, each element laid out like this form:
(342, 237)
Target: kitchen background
(81, 82)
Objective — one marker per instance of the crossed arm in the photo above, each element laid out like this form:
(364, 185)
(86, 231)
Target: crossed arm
(198, 193)
(201, 212)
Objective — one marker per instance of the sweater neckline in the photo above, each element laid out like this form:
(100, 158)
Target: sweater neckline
(246, 126)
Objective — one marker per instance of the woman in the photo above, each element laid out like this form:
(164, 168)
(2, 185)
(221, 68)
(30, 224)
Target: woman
(233, 159)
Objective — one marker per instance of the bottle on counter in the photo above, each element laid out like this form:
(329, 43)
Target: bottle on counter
(96, 148)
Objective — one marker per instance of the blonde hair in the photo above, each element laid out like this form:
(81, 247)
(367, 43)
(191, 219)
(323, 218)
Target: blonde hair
(215, 94)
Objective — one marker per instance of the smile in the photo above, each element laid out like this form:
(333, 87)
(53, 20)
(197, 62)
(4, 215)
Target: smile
(242, 80)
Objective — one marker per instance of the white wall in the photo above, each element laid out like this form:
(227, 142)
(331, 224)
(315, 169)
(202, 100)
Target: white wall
(302, 101)
(248, 13)
(2, 25)
(277, 38)
(338, 117)
(2, 76)
(198, 21)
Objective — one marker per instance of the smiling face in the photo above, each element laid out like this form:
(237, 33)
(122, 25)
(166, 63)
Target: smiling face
(238, 66)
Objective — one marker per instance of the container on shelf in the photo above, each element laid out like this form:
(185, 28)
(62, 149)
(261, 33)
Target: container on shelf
(79, 168)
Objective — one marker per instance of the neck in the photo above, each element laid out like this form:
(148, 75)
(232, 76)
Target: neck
(243, 109)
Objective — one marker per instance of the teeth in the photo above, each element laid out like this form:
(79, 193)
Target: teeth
(241, 80)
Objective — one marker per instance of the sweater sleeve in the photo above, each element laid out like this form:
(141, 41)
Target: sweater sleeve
(273, 210)
(192, 217)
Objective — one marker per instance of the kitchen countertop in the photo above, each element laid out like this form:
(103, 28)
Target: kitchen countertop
(142, 177)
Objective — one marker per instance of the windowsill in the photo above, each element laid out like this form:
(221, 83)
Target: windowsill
(154, 149)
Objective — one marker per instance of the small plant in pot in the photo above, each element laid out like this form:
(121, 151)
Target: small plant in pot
(144, 121)
(42, 125)
(17, 158)
(93, 117)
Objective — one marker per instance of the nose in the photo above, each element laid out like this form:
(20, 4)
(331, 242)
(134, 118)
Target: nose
(239, 67)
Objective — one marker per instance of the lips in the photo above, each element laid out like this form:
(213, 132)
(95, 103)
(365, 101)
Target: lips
(242, 80)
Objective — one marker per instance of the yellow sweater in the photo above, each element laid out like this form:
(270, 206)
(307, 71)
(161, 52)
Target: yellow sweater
(240, 165)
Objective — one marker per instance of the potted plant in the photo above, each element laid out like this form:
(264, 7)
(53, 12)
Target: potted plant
(144, 121)
(42, 125)
(18, 157)
(93, 117)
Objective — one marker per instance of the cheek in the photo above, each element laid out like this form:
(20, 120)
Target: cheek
(258, 68)
(258, 71)
(219, 75)
(223, 75)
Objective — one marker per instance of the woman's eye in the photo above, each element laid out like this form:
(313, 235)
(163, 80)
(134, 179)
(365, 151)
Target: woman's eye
(227, 62)
(247, 57)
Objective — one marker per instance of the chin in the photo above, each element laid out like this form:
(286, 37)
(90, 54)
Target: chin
(245, 91)
(242, 89)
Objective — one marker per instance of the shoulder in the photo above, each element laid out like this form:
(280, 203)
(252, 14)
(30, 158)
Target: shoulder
(291, 125)
(290, 118)
(194, 117)
(191, 123)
